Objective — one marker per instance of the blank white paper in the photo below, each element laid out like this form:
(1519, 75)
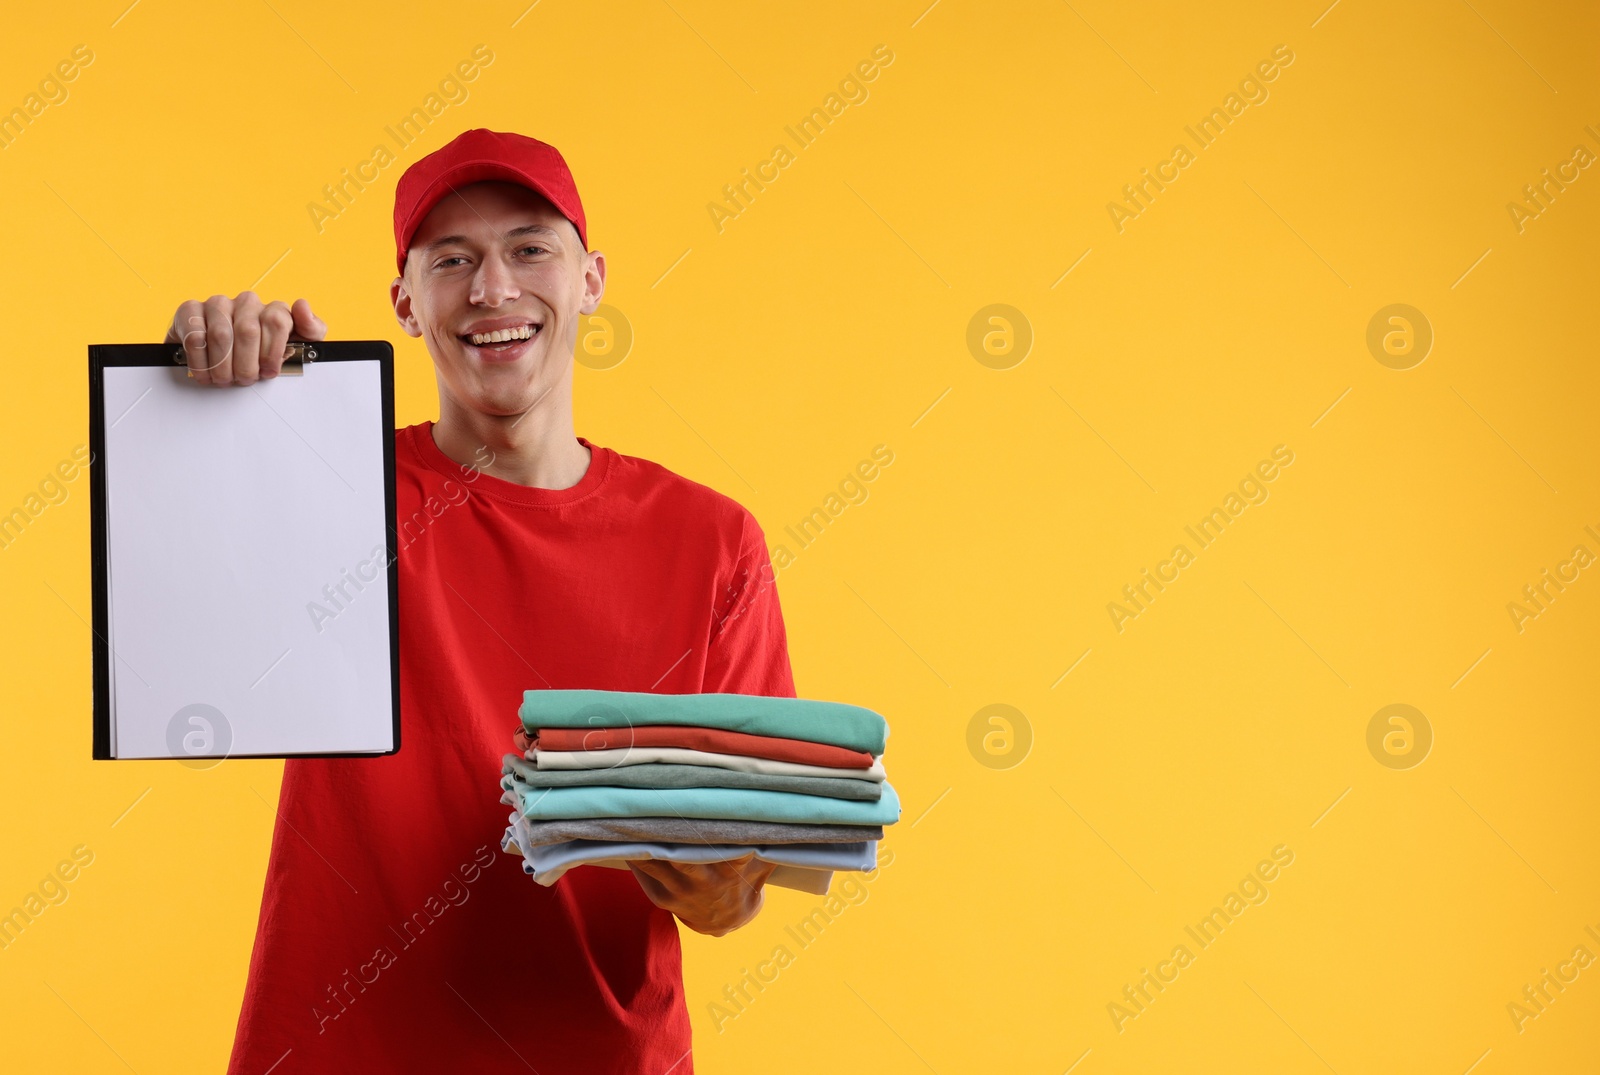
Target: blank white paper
(248, 571)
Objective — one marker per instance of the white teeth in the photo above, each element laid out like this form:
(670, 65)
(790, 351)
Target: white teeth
(521, 332)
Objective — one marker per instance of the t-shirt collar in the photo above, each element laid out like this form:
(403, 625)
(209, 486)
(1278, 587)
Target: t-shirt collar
(422, 444)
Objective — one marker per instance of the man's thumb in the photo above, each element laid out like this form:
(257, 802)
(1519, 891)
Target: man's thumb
(307, 324)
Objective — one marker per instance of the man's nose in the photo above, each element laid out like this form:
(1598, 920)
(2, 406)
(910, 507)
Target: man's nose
(494, 282)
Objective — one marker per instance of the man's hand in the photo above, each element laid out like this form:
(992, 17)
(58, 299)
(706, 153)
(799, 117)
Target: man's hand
(714, 898)
(240, 340)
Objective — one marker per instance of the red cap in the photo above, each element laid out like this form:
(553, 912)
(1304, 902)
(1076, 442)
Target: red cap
(474, 156)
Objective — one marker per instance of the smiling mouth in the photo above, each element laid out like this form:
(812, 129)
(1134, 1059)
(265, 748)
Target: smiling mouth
(502, 339)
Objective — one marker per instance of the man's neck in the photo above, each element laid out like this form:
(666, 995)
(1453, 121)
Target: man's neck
(538, 448)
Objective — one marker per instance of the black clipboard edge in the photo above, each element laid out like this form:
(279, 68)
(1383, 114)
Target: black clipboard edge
(103, 355)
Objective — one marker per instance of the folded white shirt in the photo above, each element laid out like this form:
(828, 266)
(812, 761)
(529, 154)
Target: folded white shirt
(607, 759)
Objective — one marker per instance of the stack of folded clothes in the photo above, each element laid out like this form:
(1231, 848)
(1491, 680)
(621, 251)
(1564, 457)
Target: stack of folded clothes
(611, 776)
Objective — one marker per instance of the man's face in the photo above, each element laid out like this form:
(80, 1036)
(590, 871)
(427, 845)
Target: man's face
(496, 256)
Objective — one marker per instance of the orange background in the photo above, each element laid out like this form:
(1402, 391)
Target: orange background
(1165, 359)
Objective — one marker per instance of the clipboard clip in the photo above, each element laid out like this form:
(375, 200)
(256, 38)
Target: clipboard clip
(297, 354)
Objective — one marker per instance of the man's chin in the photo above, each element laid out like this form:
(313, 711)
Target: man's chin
(503, 390)
(501, 407)
(504, 400)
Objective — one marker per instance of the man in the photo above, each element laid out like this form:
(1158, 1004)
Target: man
(394, 933)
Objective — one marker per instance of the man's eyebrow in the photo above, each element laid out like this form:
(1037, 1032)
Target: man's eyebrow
(526, 229)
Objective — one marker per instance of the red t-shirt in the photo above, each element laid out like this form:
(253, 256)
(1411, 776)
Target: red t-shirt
(395, 935)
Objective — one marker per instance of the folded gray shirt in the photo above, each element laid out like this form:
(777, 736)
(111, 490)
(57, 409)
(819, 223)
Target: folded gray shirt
(691, 776)
(694, 830)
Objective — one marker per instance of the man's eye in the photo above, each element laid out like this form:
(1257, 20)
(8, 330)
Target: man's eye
(444, 262)
(527, 248)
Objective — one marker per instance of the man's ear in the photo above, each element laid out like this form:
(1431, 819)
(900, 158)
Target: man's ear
(402, 307)
(594, 281)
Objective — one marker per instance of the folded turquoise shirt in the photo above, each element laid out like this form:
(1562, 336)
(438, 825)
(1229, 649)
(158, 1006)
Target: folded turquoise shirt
(835, 723)
(737, 804)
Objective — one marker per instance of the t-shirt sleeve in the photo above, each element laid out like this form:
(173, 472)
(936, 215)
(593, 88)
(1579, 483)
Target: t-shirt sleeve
(749, 649)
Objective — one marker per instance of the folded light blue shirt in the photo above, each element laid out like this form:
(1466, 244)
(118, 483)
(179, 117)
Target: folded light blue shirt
(860, 856)
(836, 723)
(807, 867)
(738, 804)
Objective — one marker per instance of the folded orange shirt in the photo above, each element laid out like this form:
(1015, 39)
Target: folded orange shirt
(714, 740)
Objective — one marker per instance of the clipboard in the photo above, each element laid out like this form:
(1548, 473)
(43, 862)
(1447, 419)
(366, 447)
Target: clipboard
(244, 557)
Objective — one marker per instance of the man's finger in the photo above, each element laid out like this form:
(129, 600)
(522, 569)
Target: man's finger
(219, 341)
(276, 323)
(658, 893)
(180, 320)
(189, 328)
(666, 874)
(246, 337)
(749, 871)
(722, 869)
(759, 870)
